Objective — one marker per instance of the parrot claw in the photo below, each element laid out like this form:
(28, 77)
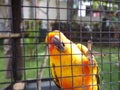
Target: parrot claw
(89, 53)
(90, 57)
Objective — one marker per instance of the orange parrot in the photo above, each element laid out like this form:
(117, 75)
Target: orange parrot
(71, 65)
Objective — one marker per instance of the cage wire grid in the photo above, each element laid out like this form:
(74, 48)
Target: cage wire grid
(24, 24)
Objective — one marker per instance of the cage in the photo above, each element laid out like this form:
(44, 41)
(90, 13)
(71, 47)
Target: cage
(25, 56)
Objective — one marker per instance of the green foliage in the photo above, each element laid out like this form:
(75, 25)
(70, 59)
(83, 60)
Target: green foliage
(104, 3)
(33, 27)
(31, 67)
(109, 72)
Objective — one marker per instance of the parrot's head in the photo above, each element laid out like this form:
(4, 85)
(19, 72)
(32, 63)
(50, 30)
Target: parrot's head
(56, 40)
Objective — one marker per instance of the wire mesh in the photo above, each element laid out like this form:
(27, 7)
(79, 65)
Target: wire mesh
(25, 56)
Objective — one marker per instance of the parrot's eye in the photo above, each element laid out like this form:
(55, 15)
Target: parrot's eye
(60, 46)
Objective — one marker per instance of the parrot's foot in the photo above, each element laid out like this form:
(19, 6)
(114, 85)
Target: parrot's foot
(89, 53)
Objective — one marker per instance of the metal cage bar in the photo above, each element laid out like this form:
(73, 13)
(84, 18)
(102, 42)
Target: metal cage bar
(25, 61)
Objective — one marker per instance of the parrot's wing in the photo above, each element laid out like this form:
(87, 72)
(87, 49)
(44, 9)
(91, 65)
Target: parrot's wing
(85, 50)
(82, 48)
(54, 75)
(98, 80)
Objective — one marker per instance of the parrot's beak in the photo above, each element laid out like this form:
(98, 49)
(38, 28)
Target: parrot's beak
(58, 43)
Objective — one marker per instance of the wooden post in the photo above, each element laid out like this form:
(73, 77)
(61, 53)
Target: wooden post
(17, 62)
